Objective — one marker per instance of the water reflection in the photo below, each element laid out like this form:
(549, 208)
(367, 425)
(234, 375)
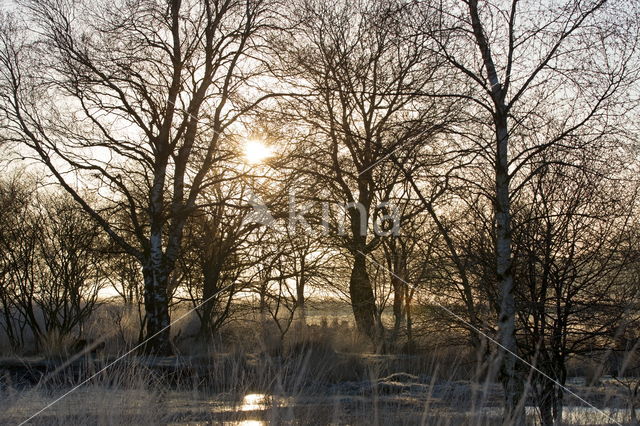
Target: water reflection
(259, 409)
(254, 401)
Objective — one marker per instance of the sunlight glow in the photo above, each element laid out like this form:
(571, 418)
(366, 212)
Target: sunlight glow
(256, 151)
(253, 401)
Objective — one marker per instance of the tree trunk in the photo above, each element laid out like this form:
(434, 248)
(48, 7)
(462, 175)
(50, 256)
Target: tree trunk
(8, 328)
(398, 304)
(546, 403)
(513, 388)
(398, 282)
(362, 298)
(550, 402)
(558, 403)
(399, 289)
(633, 405)
(408, 297)
(211, 277)
(156, 303)
(300, 300)
(263, 304)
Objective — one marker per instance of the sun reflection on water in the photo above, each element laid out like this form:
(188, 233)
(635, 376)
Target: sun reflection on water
(253, 401)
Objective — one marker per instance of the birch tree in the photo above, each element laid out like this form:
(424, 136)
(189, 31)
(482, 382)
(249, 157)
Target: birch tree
(535, 75)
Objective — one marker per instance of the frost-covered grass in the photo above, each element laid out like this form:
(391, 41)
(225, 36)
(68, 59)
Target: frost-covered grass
(308, 384)
(322, 374)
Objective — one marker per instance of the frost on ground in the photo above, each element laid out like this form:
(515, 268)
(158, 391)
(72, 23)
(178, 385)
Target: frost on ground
(397, 398)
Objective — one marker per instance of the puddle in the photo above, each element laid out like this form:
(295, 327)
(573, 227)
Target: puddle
(258, 409)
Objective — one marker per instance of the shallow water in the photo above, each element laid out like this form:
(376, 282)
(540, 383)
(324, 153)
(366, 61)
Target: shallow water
(93, 405)
(572, 415)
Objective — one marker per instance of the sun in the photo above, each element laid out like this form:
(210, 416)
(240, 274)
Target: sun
(256, 151)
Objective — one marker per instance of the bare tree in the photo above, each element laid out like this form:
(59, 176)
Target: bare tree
(215, 257)
(70, 249)
(119, 96)
(356, 70)
(18, 247)
(51, 262)
(573, 243)
(535, 77)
